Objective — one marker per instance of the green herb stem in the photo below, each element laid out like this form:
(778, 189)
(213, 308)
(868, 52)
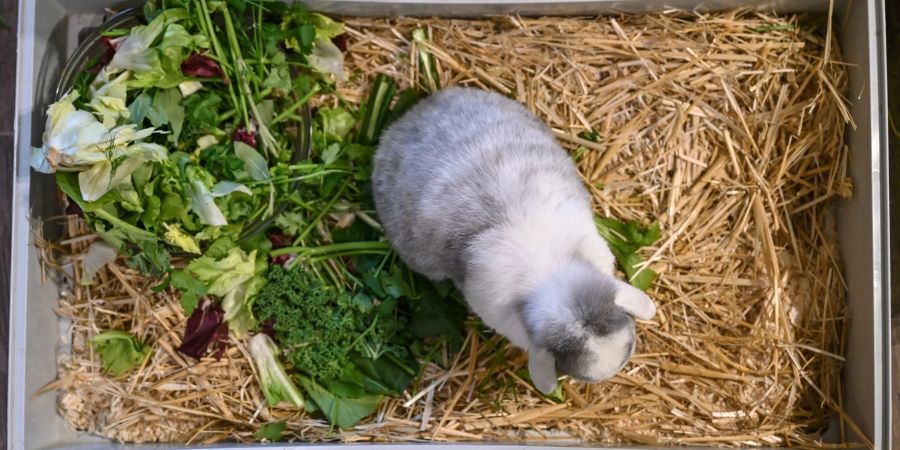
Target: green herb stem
(262, 94)
(364, 333)
(303, 166)
(300, 178)
(375, 246)
(400, 364)
(115, 32)
(257, 28)
(105, 215)
(289, 112)
(226, 115)
(322, 213)
(236, 56)
(209, 30)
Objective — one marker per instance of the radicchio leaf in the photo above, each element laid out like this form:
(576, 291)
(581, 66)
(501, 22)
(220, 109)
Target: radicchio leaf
(278, 239)
(242, 134)
(202, 66)
(73, 209)
(340, 41)
(281, 260)
(111, 45)
(219, 340)
(268, 327)
(203, 329)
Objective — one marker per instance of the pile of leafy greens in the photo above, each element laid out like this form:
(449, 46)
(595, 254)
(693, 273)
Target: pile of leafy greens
(352, 321)
(179, 148)
(180, 144)
(172, 142)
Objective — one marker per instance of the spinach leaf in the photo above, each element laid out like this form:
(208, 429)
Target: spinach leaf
(255, 164)
(625, 239)
(271, 431)
(201, 114)
(342, 404)
(166, 109)
(437, 314)
(139, 108)
(383, 375)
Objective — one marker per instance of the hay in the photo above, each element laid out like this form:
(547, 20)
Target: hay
(726, 128)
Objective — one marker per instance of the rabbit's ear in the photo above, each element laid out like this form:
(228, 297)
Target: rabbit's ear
(634, 301)
(542, 368)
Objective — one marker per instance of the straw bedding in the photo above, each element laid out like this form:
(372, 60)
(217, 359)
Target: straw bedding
(725, 128)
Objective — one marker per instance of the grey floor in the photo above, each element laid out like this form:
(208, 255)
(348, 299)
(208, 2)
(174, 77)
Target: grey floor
(892, 19)
(8, 18)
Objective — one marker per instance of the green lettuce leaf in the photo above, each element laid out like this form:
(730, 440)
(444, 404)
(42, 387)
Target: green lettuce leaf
(166, 109)
(224, 188)
(202, 199)
(108, 98)
(160, 65)
(66, 131)
(335, 123)
(236, 278)
(327, 58)
(325, 27)
(104, 175)
(140, 108)
(273, 379)
(177, 237)
(119, 351)
(191, 290)
(76, 141)
(135, 52)
(290, 222)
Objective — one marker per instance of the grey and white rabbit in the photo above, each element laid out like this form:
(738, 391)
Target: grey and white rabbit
(472, 187)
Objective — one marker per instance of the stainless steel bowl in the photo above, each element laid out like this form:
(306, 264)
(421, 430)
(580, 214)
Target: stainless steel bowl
(92, 48)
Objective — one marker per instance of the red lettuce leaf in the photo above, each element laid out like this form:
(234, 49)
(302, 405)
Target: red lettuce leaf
(203, 329)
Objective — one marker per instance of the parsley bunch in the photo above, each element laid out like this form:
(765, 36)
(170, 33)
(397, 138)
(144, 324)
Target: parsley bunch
(320, 327)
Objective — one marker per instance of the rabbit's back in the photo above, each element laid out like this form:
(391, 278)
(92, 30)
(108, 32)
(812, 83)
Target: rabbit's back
(462, 162)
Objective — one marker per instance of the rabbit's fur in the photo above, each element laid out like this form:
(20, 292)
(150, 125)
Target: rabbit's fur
(470, 186)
